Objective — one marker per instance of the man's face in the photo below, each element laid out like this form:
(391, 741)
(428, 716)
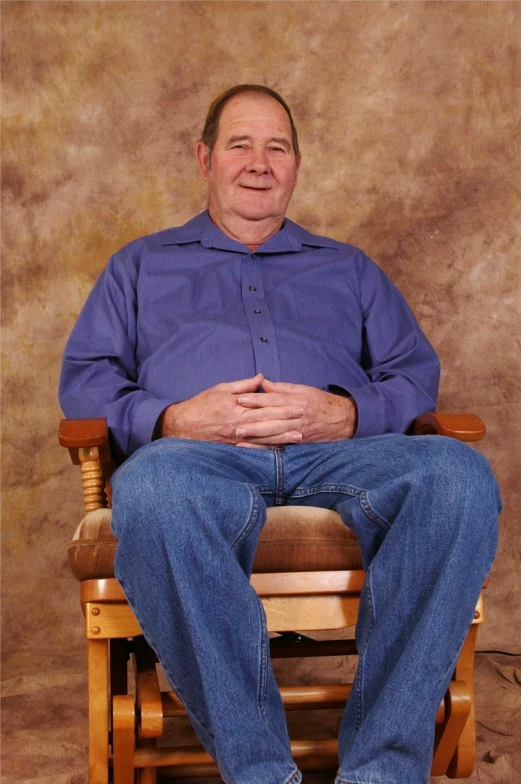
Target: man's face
(253, 170)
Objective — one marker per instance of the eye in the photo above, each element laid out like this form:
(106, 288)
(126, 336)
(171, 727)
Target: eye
(276, 151)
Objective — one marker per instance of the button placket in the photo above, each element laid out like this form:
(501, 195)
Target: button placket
(261, 325)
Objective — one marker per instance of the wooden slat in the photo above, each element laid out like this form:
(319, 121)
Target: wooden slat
(306, 583)
(98, 675)
(105, 621)
(269, 584)
(309, 613)
(294, 698)
(148, 692)
(308, 754)
(123, 727)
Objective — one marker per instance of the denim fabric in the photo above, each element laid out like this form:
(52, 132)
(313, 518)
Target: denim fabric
(188, 515)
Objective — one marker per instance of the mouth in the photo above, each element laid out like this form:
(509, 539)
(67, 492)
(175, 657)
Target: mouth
(259, 189)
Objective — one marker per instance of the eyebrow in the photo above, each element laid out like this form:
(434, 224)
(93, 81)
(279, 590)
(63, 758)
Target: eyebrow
(279, 139)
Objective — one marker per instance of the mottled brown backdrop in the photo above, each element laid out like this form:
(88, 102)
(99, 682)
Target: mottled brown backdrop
(409, 117)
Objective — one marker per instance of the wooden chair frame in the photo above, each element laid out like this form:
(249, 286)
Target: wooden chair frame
(123, 727)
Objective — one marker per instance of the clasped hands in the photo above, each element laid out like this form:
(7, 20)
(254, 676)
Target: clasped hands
(239, 413)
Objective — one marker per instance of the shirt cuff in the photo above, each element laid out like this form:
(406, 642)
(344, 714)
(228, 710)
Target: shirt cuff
(145, 420)
(370, 409)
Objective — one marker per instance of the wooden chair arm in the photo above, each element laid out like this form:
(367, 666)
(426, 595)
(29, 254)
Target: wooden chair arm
(89, 447)
(75, 434)
(463, 427)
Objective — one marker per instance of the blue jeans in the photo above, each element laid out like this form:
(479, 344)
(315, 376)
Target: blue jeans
(188, 515)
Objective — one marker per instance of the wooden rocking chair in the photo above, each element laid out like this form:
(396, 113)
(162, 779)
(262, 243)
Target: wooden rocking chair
(308, 573)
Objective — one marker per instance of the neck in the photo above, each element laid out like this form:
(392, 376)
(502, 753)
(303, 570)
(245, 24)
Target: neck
(250, 233)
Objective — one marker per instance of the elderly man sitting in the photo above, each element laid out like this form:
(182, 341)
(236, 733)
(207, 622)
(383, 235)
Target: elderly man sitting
(242, 363)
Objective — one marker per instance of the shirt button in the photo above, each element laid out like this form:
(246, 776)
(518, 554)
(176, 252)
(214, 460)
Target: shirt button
(252, 288)
(257, 312)
(253, 255)
(264, 340)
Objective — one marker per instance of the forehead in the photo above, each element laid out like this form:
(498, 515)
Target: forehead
(254, 114)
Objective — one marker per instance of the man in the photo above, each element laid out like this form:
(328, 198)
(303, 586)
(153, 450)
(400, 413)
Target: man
(243, 362)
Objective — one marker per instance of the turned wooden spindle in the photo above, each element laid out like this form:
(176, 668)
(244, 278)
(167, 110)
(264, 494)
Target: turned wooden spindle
(92, 479)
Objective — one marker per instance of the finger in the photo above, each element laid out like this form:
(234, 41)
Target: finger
(290, 437)
(247, 445)
(261, 399)
(272, 427)
(281, 386)
(252, 415)
(245, 384)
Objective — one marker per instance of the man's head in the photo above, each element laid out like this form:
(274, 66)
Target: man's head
(249, 157)
(211, 125)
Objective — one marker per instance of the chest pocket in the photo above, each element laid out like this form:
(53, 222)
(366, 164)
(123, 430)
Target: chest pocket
(330, 321)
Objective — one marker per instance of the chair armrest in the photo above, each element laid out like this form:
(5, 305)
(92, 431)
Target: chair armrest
(89, 447)
(463, 427)
(75, 434)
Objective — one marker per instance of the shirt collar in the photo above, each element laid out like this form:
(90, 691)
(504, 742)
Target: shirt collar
(290, 238)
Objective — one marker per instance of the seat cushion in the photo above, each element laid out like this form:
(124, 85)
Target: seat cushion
(294, 539)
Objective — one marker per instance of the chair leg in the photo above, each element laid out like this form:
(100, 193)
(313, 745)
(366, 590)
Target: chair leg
(98, 670)
(123, 738)
(457, 711)
(462, 763)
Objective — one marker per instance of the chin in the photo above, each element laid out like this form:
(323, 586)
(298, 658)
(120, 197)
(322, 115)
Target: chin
(256, 211)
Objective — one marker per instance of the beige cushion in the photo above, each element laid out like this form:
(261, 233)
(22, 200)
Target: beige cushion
(294, 539)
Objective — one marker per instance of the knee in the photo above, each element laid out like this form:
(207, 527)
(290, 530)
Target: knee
(154, 482)
(450, 463)
(457, 476)
(147, 472)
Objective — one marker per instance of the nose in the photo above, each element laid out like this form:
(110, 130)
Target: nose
(258, 160)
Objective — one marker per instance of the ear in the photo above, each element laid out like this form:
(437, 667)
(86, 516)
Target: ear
(203, 159)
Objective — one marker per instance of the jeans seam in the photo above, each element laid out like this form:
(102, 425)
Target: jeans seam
(294, 775)
(279, 465)
(369, 511)
(252, 518)
(263, 668)
(350, 490)
(361, 660)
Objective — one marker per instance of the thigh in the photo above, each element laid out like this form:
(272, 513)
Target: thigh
(427, 482)
(179, 481)
(382, 467)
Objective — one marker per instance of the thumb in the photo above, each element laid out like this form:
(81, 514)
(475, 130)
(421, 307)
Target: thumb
(246, 384)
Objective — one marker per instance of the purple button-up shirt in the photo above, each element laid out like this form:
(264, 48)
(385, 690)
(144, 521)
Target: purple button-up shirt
(181, 310)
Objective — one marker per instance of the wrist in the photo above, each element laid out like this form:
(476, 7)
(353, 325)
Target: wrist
(166, 425)
(354, 417)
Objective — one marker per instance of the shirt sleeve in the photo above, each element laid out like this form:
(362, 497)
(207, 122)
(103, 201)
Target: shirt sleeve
(99, 373)
(402, 367)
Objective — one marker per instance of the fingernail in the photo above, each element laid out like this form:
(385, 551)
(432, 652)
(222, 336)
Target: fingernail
(295, 439)
(241, 400)
(240, 431)
(298, 412)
